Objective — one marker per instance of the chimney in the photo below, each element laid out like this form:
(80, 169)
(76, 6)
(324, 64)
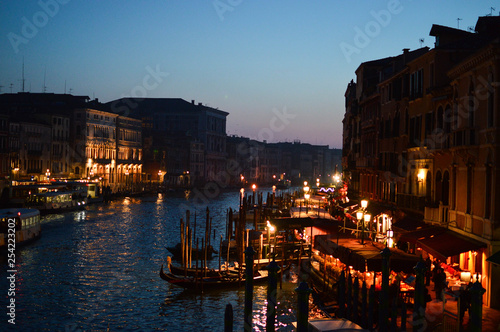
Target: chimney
(405, 53)
(199, 104)
(192, 101)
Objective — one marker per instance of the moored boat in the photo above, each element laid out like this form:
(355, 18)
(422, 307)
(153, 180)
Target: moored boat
(57, 201)
(215, 282)
(19, 226)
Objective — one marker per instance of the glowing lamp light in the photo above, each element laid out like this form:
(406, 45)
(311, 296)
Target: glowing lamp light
(269, 226)
(254, 186)
(465, 276)
(307, 196)
(367, 217)
(364, 203)
(421, 175)
(359, 215)
(306, 189)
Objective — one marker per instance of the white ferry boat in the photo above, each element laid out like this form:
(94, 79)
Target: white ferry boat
(57, 201)
(24, 223)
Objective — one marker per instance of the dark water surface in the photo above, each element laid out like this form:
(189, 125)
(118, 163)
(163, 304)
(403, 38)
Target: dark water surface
(97, 269)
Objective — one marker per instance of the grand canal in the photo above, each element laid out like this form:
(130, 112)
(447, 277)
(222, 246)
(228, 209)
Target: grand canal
(97, 269)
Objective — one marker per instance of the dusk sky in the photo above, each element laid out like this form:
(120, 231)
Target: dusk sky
(257, 60)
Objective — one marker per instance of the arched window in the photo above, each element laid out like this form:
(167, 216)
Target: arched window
(446, 187)
(439, 119)
(447, 119)
(438, 186)
(428, 185)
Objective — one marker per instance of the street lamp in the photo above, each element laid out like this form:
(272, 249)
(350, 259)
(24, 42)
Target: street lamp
(364, 204)
(306, 197)
(47, 174)
(270, 228)
(390, 240)
(254, 186)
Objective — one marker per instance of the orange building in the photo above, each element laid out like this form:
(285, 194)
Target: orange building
(421, 135)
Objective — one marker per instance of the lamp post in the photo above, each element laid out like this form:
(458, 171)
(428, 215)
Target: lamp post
(367, 217)
(47, 175)
(363, 218)
(359, 216)
(254, 187)
(306, 197)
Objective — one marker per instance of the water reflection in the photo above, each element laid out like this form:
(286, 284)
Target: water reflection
(98, 268)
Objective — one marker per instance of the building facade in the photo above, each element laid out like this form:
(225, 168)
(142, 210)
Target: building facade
(422, 137)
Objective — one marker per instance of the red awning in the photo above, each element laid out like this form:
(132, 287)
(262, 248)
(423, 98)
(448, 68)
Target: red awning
(368, 256)
(448, 243)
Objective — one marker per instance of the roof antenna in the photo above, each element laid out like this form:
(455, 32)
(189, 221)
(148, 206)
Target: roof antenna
(458, 22)
(23, 80)
(421, 40)
(491, 11)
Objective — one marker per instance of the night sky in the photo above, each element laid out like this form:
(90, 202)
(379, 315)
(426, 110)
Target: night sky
(256, 60)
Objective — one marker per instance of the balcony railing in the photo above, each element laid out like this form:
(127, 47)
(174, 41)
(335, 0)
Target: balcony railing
(436, 215)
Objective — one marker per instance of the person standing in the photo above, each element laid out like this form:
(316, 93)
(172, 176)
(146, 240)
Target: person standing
(428, 265)
(439, 283)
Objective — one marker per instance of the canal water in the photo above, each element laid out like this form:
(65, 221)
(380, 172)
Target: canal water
(98, 269)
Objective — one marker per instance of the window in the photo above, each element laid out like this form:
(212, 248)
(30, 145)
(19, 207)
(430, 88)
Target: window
(416, 84)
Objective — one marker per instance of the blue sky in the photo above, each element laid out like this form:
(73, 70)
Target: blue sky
(256, 60)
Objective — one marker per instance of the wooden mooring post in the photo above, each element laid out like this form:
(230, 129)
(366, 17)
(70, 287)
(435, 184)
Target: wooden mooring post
(249, 252)
(228, 318)
(303, 292)
(272, 287)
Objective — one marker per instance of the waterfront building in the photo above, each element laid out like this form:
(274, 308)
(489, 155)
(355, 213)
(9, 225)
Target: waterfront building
(34, 150)
(186, 122)
(128, 152)
(53, 110)
(94, 149)
(421, 137)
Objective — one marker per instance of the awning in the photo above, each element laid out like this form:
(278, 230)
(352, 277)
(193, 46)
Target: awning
(422, 233)
(409, 223)
(361, 257)
(447, 244)
(292, 223)
(495, 258)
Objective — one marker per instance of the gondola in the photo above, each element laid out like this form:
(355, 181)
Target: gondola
(191, 272)
(216, 282)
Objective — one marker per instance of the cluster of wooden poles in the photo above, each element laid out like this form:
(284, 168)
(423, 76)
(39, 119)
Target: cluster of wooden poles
(303, 292)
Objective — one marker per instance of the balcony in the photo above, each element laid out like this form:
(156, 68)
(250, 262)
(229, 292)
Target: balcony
(437, 215)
